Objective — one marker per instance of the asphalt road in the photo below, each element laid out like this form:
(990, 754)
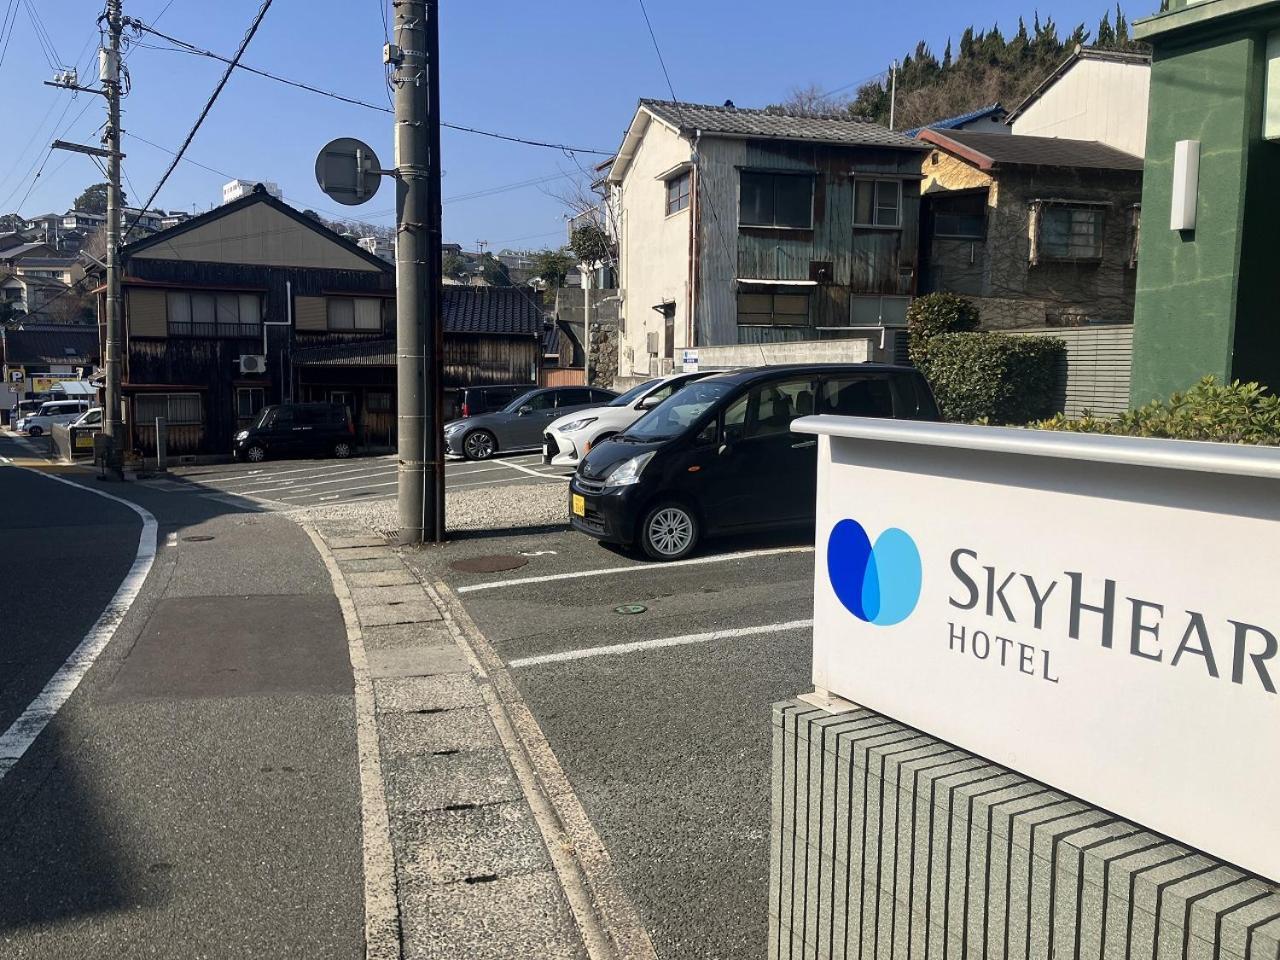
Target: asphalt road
(197, 796)
(667, 746)
(284, 484)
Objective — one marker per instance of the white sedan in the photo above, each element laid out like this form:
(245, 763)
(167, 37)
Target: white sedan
(569, 439)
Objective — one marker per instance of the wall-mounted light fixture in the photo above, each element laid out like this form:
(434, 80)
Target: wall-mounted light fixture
(1186, 184)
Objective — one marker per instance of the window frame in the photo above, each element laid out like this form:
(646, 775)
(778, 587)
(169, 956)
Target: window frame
(213, 328)
(678, 201)
(331, 301)
(240, 392)
(1099, 214)
(875, 183)
(169, 399)
(773, 308)
(776, 176)
(857, 298)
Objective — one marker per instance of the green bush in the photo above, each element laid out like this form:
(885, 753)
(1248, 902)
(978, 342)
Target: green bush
(993, 377)
(933, 315)
(1230, 413)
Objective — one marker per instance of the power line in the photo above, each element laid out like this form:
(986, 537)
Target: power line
(6, 28)
(658, 50)
(184, 47)
(231, 65)
(43, 38)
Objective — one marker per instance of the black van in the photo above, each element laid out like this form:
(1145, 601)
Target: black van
(298, 430)
(719, 456)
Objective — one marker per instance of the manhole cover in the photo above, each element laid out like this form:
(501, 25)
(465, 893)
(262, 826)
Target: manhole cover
(197, 539)
(630, 608)
(494, 563)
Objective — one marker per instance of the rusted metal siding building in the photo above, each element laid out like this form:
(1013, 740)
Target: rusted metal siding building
(741, 226)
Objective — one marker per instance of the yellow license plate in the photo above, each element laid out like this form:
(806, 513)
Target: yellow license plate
(579, 506)
(84, 441)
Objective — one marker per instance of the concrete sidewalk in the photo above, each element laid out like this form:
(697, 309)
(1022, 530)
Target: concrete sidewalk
(475, 845)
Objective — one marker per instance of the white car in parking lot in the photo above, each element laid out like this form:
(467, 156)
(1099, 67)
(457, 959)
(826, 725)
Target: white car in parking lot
(51, 412)
(569, 439)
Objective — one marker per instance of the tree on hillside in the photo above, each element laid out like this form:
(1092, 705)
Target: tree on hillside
(494, 272)
(591, 245)
(94, 199)
(554, 265)
(982, 69)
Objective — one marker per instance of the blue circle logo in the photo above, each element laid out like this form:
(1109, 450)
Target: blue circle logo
(878, 584)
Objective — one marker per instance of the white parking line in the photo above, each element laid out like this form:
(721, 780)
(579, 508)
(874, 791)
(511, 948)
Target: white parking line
(364, 487)
(448, 485)
(353, 478)
(535, 473)
(616, 649)
(281, 478)
(633, 567)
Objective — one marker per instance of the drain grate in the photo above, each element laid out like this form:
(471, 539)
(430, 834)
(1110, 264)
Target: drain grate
(492, 563)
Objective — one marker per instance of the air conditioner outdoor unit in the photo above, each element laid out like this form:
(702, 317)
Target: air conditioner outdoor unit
(250, 363)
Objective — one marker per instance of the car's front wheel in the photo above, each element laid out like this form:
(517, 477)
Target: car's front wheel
(255, 453)
(342, 449)
(479, 445)
(669, 531)
(35, 432)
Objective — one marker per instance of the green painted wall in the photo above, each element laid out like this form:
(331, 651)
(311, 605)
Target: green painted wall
(1184, 315)
(1208, 301)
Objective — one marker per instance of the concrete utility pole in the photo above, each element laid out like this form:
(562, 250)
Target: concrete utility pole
(112, 422)
(109, 70)
(893, 91)
(420, 472)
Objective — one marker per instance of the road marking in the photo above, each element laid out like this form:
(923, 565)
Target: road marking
(535, 473)
(171, 540)
(616, 649)
(632, 567)
(480, 483)
(320, 468)
(364, 488)
(15, 741)
(5, 460)
(263, 483)
(610, 925)
(381, 906)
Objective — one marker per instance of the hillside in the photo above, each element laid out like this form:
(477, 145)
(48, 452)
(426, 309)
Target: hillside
(986, 68)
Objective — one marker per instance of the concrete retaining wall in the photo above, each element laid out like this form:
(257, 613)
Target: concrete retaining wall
(888, 843)
(735, 356)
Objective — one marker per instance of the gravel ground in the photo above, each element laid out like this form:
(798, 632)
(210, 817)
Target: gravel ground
(537, 504)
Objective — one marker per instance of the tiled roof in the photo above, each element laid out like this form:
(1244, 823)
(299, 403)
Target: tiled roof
(52, 343)
(356, 353)
(760, 124)
(951, 123)
(989, 150)
(17, 253)
(511, 311)
(48, 262)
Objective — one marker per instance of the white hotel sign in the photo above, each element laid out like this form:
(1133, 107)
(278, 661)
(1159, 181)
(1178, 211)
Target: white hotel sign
(1098, 613)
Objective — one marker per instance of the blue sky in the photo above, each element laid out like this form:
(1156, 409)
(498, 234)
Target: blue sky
(562, 72)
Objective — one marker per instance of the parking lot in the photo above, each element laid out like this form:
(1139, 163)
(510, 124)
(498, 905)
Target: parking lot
(287, 484)
(652, 683)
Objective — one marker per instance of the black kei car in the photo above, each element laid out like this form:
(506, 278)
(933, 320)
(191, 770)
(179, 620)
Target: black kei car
(719, 456)
(289, 430)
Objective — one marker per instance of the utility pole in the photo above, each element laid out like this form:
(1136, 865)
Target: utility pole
(109, 69)
(112, 422)
(893, 91)
(420, 469)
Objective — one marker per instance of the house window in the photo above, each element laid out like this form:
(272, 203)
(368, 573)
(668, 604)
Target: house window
(877, 203)
(770, 309)
(678, 192)
(878, 311)
(960, 218)
(193, 314)
(249, 400)
(776, 200)
(362, 314)
(177, 408)
(1071, 233)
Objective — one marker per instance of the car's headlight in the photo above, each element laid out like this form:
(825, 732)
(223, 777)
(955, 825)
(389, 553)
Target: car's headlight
(628, 472)
(574, 425)
(242, 435)
(451, 428)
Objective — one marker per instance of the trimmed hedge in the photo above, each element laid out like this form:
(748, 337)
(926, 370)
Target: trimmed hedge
(933, 315)
(994, 377)
(1223, 413)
